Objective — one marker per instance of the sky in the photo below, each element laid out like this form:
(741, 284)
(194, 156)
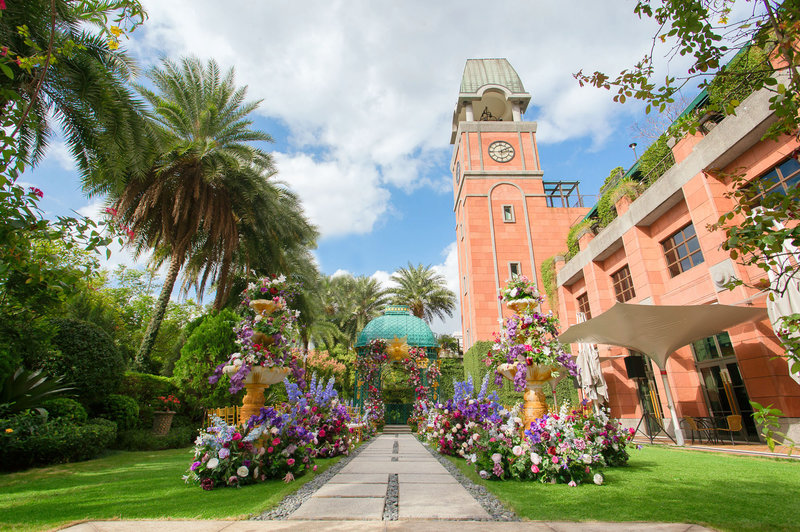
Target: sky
(359, 97)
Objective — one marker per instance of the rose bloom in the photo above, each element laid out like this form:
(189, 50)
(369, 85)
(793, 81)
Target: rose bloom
(212, 463)
(242, 471)
(496, 457)
(276, 441)
(534, 469)
(555, 459)
(270, 449)
(517, 450)
(536, 459)
(290, 461)
(598, 479)
(224, 453)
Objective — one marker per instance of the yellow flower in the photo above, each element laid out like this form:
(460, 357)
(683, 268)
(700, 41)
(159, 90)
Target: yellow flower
(9, 431)
(115, 31)
(113, 44)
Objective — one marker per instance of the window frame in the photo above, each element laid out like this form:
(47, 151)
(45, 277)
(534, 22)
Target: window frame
(511, 264)
(781, 186)
(584, 308)
(619, 284)
(513, 218)
(668, 246)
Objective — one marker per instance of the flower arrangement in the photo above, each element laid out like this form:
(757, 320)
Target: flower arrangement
(322, 414)
(168, 403)
(368, 368)
(571, 447)
(448, 426)
(267, 335)
(527, 340)
(415, 363)
(520, 288)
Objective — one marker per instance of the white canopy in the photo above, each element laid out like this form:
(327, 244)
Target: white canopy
(657, 331)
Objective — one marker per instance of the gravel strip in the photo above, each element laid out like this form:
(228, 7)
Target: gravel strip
(490, 503)
(396, 447)
(292, 502)
(390, 511)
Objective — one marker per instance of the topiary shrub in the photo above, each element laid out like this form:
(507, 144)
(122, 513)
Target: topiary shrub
(33, 441)
(122, 410)
(65, 408)
(87, 358)
(209, 345)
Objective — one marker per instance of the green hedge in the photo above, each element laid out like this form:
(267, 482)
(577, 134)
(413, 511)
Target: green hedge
(475, 366)
(34, 442)
(144, 387)
(651, 157)
(452, 370)
(145, 440)
(122, 410)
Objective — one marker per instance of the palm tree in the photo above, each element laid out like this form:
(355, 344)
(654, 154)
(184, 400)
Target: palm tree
(424, 291)
(76, 80)
(205, 172)
(364, 299)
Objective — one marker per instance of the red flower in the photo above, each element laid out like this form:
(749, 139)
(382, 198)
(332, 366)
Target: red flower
(34, 190)
(551, 451)
(236, 437)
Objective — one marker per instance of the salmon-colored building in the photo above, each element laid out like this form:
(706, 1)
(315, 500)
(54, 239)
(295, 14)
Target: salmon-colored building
(659, 249)
(508, 219)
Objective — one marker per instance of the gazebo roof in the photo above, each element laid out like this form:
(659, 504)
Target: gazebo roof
(397, 321)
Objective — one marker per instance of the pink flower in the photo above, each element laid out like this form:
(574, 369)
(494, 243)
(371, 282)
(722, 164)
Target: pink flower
(34, 190)
(290, 461)
(276, 441)
(110, 210)
(236, 437)
(130, 233)
(269, 449)
(555, 459)
(572, 483)
(321, 433)
(534, 469)
(314, 468)
(4, 51)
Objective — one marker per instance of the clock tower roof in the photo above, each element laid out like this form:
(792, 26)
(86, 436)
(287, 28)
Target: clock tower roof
(481, 72)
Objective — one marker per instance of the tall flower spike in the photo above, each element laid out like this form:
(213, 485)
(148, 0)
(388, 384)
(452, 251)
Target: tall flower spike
(484, 385)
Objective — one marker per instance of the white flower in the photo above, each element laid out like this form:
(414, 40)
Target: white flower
(513, 292)
(258, 318)
(211, 464)
(255, 472)
(598, 479)
(475, 436)
(496, 457)
(536, 459)
(274, 430)
(517, 450)
(251, 286)
(243, 471)
(587, 458)
(458, 426)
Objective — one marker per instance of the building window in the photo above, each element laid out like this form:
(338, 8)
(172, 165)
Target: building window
(781, 179)
(508, 213)
(514, 269)
(719, 346)
(583, 306)
(623, 284)
(682, 251)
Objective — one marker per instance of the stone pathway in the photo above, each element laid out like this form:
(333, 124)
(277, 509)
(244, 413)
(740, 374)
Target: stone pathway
(395, 462)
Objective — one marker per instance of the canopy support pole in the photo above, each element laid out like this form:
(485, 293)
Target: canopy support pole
(676, 426)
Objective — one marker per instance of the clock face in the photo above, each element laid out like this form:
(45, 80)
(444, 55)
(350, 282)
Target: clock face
(501, 151)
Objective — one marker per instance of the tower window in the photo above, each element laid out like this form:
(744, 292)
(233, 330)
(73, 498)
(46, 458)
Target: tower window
(508, 214)
(514, 269)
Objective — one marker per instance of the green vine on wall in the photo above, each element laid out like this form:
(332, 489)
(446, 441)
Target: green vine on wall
(548, 270)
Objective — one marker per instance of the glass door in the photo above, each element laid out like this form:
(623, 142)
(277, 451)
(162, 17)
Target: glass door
(648, 397)
(722, 383)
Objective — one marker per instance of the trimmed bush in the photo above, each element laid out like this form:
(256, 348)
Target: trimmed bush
(87, 358)
(65, 408)
(122, 410)
(34, 442)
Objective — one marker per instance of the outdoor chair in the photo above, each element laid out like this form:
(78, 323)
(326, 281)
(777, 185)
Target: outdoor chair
(694, 427)
(734, 425)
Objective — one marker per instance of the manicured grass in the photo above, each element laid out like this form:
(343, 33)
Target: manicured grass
(129, 485)
(668, 485)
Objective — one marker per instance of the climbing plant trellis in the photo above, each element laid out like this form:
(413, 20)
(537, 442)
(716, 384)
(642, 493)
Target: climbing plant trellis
(395, 337)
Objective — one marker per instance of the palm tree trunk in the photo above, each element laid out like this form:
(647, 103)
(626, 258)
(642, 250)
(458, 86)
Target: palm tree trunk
(160, 309)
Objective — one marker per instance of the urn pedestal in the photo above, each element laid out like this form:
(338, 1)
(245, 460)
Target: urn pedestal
(258, 380)
(535, 405)
(521, 305)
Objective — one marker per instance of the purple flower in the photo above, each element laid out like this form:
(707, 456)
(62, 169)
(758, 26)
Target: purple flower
(195, 465)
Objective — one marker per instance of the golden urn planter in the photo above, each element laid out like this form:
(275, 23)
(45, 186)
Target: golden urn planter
(538, 375)
(521, 305)
(265, 306)
(258, 380)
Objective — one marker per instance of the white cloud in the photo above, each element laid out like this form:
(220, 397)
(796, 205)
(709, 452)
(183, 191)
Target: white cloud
(371, 85)
(449, 269)
(59, 152)
(384, 278)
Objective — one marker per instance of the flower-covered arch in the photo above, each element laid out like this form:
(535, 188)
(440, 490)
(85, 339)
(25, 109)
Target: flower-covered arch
(399, 337)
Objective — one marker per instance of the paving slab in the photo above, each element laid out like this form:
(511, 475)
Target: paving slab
(394, 467)
(350, 508)
(351, 490)
(438, 501)
(433, 478)
(360, 478)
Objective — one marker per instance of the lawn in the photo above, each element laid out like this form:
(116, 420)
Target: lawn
(128, 485)
(669, 485)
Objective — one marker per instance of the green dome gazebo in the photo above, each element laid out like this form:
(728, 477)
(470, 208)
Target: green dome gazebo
(400, 329)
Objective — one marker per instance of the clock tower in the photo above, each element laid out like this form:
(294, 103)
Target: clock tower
(508, 219)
